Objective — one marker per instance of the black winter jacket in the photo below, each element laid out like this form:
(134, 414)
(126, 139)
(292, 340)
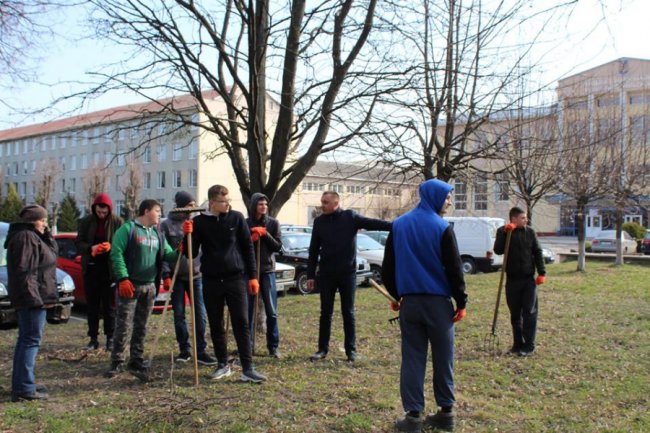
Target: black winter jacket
(31, 266)
(225, 244)
(525, 252)
(334, 241)
(272, 242)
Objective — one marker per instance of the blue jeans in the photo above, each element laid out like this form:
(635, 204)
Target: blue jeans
(346, 285)
(31, 322)
(180, 325)
(269, 294)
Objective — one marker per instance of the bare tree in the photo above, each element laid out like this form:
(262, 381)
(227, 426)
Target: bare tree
(94, 179)
(48, 174)
(131, 187)
(466, 56)
(295, 81)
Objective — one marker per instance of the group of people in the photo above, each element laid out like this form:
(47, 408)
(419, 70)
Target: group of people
(234, 264)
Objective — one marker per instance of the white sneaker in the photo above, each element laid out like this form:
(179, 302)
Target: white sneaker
(222, 370)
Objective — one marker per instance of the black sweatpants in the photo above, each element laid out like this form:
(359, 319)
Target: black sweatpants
(521, 294)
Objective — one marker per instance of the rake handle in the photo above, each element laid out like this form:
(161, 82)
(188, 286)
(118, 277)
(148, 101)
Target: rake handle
(503, 271)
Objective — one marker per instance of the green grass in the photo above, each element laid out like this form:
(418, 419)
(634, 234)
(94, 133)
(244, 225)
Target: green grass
(591, 371)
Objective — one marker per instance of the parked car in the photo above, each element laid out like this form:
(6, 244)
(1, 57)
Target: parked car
(70, 261)
(549, 255)
(605, 242)
(285, 277)
(373, 251)
(295, 228)
(645, 244)
(475, 237)
(65, 287)
(295, 251)
(378, 235)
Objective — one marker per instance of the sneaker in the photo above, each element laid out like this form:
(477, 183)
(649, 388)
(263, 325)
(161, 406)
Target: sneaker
(441, 420)
(352, 356)
(29, 397)
(321, 354)
(116, 368)
(205, 359)
(251, 375)
(526, 352)
(222, 370)
(41, 388)
(515, 350)
(183, 357)
(274, 353)
(138, 369)
(93, 344)
(409, 424)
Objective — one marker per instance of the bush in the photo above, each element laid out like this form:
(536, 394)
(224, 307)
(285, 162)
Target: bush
(587, 247)
(636, 230)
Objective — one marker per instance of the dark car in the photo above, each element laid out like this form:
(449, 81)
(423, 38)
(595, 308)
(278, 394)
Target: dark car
(70, 261)
(295, 251)
(645, 244)
(64, 284)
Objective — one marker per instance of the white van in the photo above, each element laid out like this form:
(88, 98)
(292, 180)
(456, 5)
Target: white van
(475, 237)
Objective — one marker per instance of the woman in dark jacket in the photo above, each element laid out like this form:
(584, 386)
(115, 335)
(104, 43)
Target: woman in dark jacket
(31, 271)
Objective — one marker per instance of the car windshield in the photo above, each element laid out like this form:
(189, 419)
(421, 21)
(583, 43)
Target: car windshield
(3, 236)
(607, 234)
(295, 243)
(366, 243)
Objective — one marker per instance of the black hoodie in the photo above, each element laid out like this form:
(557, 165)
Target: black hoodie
(272, 242)
(31, 266)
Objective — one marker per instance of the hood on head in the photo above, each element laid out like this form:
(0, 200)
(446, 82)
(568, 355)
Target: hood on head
(252, 209)
(105, 200)
(433, 194)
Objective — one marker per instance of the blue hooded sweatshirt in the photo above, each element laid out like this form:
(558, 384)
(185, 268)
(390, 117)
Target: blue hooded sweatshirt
(423, 252)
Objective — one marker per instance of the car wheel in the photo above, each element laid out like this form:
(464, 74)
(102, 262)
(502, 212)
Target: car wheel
(301, 283)
(469, 267)
(376, 273)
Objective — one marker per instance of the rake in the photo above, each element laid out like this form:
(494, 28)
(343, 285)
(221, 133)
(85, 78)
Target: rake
(491, 340)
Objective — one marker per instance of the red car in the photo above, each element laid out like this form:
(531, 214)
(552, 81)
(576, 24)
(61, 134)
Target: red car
(70, 262)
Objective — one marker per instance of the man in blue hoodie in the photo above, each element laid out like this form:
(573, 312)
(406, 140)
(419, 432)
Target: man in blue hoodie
(422, 268)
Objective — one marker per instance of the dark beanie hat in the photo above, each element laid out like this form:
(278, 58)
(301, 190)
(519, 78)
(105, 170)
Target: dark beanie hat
(32, 212)
(183, 198)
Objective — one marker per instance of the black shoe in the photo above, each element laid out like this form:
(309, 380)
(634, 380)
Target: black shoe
(205, 359)
(441, 420)
(251, 375)
(41, 388)
(93, 344)
(321, 354)
(274, 353)
(183, 357)
(352, 356)
(409, 424)
(526, 352)
(109, 344)
(515, 350)
(29, 397)
(138, 369)
(116, 368)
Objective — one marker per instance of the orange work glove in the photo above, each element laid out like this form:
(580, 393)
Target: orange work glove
(253, 287)
(510, 227)
(460, 313)
(188, 227)
(261, 231)
(255, 236)
(181, 248)
(541, 279)
(106, 247)
(167, 283)
(96, 249)
(394, 306)
(126, 289)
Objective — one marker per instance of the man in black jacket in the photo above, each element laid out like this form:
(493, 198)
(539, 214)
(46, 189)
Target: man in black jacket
(227, 258)
(334, 242)
(524, 255)
(266, 231)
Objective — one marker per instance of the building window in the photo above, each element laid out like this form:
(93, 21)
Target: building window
(25, 147)
(34, 166)
(2, 148)
(312, 186)
(161, 179)
(73, 162)
(62, 163)
(16, 168)
(607, 101)
(337, 188)
(177, 154)
(460, 195)
(194, 150)
(73, 185)
(146, 156)
(501, 187)
(392, 192)
(96, 158)
(176, 179)
(481, 192)
(577, 104)
(119, 206)
(162, 152)
(25, 167)
(193, 178)
(146, 180)
(63, 186)
(121, 160)
(354, 189)
(84, 161)
(643, 98)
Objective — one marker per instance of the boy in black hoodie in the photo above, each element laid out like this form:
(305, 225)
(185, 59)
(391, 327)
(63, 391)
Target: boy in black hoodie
(266, 231)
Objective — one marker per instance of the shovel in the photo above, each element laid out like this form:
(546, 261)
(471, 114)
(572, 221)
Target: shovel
(491, 341)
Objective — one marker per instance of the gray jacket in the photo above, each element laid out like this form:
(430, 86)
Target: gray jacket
(172, 229)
